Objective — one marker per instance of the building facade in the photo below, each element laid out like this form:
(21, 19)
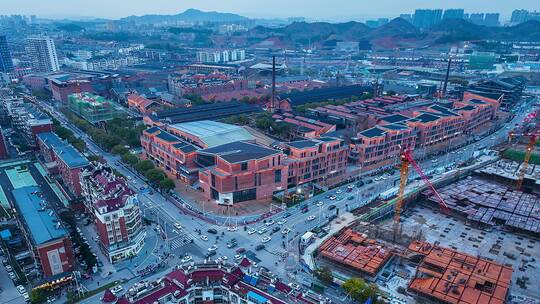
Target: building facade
(115, 209)
(42, 51)
(6, 62)
(29, 121)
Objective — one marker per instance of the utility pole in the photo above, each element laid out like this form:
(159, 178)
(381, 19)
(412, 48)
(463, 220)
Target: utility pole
(443, 93)
(273, 84)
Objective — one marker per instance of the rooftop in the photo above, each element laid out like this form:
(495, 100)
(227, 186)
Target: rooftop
(69, 155)
(317, 95)
(394, 118)
(42, 223)
(213, 133)
(209, 111)
(373, 132)
(239, 151)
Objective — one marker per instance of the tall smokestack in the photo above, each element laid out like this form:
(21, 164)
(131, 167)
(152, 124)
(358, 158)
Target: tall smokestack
(273, 83)
(443, 93)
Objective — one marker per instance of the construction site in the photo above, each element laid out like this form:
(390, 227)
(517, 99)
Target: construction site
(471, 239)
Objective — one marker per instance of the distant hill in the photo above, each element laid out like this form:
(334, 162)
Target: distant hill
(190, 15)
(397, 33)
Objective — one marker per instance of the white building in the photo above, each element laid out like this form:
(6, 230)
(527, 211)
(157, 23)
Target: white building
(42, 52)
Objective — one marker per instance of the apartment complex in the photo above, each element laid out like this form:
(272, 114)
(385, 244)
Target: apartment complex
(29, 120)
(63, 159)
(42, 51)
(223, 56)
(44, 233)
(241, 171)
(114, 207)
(218, 283)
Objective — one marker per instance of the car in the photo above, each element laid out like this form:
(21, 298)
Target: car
(238, 257)
(281, 222)
(9, 268)
(12, 275)
(186, 259)
(339, 191)
(212, 231)
(212, 248)
(276, 229)
(231, 244)
(311, 218)
(204, 237)
(262, 230)
(266, 239)
(240, 250)
(177, 226)
(294, 286)
(305, 210)
(26, 297)
(359, 184)
(331, 207)
(211, 253)
(5, 262)
(21, 289)
(349, 189)
(270, 223)
(117, 289)
(286, 215)
(251, 231)
(369, 181)
(320, 203)
(260, 247)
(224, 257)
(434, 160)
(350, 198)
(232, 228)
(286, 230)
(332, 197)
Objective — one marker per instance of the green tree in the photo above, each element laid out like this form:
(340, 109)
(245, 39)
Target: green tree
(119, 149)
(263, 123)
(144, 165)
(166, 184)
(154, 175)
(324, 274)
(37, 296)
(130, 159)
(360, 291)
(97, 158)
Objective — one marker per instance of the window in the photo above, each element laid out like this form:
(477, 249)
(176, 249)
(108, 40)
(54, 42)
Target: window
(277, 176)
(244, 166)
(244, 195)
(213, 177)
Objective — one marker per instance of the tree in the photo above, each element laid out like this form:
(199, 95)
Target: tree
(144, 165)
(37, 296)
(360, 291)
(324, 275)
(119, 149)
(263, 123)
(166, 184)
(130, 159)
(97, 158)
(154, 175)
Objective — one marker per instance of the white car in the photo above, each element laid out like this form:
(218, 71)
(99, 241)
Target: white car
(270, 223)
(204, 237)
(282, 221)
(224, 257)
(12, 275)
(26, 297)
(238, 257)
(186, 259)
(286, 230)
(266, 239)
(117, 289)
(262, 230)
(339, 191)
(213, 248)
(232, 228)
(311, 218)
(177, 226)
(333, 198)
(21, 289)
(320, 203)
(251, 231)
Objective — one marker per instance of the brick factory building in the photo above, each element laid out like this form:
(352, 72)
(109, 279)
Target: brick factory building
(114, 207)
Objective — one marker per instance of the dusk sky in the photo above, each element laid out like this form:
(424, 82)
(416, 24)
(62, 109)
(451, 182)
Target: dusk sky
(312, 9)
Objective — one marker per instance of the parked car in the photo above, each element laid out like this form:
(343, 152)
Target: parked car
(260, 247)
(117, 289)
(212, 231)
(240, 250)
(331, 207)
(21, 289)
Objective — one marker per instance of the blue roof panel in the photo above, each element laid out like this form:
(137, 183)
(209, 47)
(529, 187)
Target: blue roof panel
(69, 155)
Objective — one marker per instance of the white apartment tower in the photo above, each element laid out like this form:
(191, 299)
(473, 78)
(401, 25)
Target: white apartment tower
(42, 52)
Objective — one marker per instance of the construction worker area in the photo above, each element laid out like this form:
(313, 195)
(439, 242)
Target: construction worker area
(474, 241)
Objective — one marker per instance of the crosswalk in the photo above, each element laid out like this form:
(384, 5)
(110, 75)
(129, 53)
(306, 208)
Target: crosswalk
(179, 241)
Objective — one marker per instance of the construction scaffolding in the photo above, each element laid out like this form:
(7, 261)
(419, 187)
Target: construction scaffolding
(93, 108)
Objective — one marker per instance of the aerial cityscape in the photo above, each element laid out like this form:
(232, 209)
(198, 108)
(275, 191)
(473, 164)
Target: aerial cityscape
(313, 152)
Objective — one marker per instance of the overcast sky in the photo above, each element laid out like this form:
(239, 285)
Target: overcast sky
(312, 9)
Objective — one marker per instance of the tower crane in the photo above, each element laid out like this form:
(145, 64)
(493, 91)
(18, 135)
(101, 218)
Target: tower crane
(533, 138)
(406, 160)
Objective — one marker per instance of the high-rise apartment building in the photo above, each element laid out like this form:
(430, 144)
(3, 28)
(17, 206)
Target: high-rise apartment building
(425, 18)
(454, 14)
(42, 52)
(6, 64)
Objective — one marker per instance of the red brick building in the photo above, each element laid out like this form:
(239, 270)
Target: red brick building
(322, 161)
(304, 127)
(241, 171)
(68, 161)
(141, 104)
(116, 213)
(62, 89)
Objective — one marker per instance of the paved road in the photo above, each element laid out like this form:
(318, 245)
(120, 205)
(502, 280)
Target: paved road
(188, 241)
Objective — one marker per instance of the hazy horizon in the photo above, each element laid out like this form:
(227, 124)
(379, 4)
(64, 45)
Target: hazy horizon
(337, 10)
